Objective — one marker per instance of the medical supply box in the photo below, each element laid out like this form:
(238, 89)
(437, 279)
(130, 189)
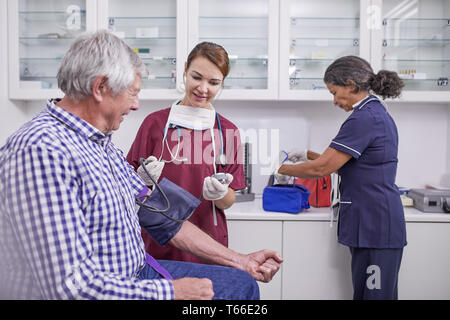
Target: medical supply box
(289, 198)
(431, 200)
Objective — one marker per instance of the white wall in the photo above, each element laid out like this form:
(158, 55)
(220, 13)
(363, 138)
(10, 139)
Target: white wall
(424, 152)
(424, 131)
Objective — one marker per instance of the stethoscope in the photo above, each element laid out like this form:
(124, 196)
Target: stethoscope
(222, 157)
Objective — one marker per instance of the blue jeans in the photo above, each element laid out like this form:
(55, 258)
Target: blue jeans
(228, 283)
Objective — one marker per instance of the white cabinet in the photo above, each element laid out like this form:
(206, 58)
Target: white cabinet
(248, 30)
(278, 49)
(156, 30)
(316, 266)
(413, 39)
(251, 236)
(426, 262)
(409, 37)
(39, 34)
(312, 35)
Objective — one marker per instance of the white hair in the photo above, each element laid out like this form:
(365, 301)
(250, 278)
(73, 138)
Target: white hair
(94, 54)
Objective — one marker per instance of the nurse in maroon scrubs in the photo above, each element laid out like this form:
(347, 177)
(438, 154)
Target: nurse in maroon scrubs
(188, 143)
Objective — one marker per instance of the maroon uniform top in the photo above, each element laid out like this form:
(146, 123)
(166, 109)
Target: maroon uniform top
(196, 147)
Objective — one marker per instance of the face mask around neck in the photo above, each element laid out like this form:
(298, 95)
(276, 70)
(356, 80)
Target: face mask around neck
(191, 117)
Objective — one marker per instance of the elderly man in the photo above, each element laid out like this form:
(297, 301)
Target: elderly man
(68, 222)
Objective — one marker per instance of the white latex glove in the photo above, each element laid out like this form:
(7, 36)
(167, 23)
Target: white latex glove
(297, 155)
(213, 189)
(154, 168)
(281, 178)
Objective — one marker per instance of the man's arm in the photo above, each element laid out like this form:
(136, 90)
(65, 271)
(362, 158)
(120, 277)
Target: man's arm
(262, 265)
(50, 226)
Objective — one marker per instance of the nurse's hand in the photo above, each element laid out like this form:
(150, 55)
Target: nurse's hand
(213, 189)
(297, 155)
(281, 178)
(154, 168)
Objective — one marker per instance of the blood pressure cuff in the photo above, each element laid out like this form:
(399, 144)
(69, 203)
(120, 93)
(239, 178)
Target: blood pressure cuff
(290, 198)
(182, 204)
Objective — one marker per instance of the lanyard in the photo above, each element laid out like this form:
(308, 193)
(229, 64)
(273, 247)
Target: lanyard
(157, 267)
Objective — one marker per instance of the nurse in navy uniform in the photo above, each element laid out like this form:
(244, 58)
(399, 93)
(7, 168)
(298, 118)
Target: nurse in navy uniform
(364, 152)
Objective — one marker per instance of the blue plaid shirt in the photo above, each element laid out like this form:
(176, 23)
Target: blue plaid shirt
(68, 222)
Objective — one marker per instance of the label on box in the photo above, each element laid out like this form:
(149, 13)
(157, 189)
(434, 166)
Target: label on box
(142, 52)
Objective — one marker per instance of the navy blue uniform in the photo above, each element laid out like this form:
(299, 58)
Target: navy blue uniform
(370, 212)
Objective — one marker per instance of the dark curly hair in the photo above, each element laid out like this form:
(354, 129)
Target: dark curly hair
(353, 70)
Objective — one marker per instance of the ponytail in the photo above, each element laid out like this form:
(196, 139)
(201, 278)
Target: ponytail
(386, 84)
(358, 72)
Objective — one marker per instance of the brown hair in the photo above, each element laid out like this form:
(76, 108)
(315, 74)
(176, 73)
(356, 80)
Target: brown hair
(214, 53)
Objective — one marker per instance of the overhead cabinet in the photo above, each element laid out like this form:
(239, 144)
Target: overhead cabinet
(413, 39)
(312, 35)
(278, 49)
(156, 31)
(248, 30)
(40, 32)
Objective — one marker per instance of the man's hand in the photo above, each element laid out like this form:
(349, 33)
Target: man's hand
(193, 289)
(262, 265)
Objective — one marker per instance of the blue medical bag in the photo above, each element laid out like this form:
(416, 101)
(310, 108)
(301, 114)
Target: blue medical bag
(290, 198)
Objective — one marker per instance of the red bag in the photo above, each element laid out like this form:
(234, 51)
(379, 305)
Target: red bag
(320, 190)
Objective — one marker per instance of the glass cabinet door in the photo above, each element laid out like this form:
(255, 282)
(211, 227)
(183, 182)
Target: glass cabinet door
(416, 43)
(314, 34)
(247, 31)
(149, 28)
(42, 31)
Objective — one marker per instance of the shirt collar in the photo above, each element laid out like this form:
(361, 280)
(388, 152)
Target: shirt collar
(356, 105)
(77, 124)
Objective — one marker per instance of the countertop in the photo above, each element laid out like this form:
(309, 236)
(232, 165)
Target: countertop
(252, 210)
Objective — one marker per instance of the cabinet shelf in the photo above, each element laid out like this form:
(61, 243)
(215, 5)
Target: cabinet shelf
(143, 18)
(419, 22)
(325, 42)
(40, 59)
(312, 60)
(234, 38)
(311, 83)
(150, 38)
(415, 42)
(47, 12)
(325, 19)
(322, 22)
(232, 18)
(411, 63)
(426, 85)
(158, 59)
